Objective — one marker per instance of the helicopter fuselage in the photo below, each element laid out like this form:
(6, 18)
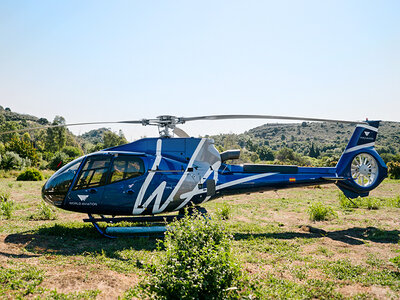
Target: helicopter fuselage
(156, 175)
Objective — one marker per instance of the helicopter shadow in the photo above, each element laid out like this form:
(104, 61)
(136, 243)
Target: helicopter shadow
(351, 236)
(61, 240)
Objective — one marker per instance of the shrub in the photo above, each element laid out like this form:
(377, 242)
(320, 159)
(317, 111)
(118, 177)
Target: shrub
(319, 212)
(224, 212)
(346, 203)
(265, 153)
(30, 175)
(6, 205)
(197, 263)
(394, 170)
(43, 212)
(72, 152)
(395, 202)
(58, 160)
(24, 148)
(396, 261)
(11, 160)
(372, 203)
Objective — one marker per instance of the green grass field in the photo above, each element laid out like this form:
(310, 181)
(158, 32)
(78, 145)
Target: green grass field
(353, 254)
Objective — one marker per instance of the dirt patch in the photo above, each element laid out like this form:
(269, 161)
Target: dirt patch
(78, 278)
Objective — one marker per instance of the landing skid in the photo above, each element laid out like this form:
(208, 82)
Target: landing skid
(140, 231)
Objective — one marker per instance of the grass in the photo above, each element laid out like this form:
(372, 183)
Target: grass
(354, 253)
(19, 280)
(320, 212)
(43, 212)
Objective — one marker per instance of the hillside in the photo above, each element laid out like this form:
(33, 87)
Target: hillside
(306, 140)
(324, 138)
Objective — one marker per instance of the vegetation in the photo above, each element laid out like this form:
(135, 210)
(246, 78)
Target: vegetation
(305, 144)
(19, 281)
(320, 212)
(197, 263)
(6, 205)
(308, 144)
(394, 169)
(281, 253)
(224, 211)
(47, 148)
(30, 174)
(43, 212)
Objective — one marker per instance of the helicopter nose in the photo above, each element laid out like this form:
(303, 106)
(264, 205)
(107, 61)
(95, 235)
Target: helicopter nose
(52, 198)
(56, 188)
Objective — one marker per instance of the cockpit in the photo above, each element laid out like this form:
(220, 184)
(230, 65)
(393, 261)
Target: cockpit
(97, 170)
(56, 188)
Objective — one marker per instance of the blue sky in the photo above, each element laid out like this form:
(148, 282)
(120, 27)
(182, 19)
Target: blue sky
(122, 60)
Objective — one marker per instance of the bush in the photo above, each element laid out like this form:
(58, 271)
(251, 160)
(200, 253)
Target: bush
(319, 212)
(372, 203)
(197, 263)
(43, 212)
(346, 203)
(224, 212)
(58, 160)
(24, 148)
(11, 160)
(394, 170)
(30, 175)
(6, 205)
(72, 152)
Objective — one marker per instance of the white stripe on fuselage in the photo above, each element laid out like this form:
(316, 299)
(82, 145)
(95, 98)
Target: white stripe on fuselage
(156, 207)
(159, 191)
(197, 191)
(150, 175)
(242, 180)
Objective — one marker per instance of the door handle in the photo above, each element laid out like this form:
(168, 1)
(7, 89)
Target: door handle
(130, 192)
(93, 191)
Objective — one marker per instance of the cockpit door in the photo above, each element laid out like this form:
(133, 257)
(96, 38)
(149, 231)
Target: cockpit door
(87, 193)
(125, 180)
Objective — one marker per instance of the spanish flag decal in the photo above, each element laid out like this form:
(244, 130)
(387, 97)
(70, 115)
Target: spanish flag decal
(292, 179)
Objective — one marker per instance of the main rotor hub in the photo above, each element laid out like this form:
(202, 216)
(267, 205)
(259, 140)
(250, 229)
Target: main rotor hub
(166, 124)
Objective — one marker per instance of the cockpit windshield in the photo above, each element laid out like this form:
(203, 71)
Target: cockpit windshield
(57, 186)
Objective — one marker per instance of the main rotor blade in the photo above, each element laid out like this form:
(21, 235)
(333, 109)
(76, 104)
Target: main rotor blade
(73, 124)
(180, 132)
(269, 117)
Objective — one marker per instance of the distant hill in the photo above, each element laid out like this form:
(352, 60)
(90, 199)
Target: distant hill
(9, 115)
(328, 138)
(324, 138)
(94, 136)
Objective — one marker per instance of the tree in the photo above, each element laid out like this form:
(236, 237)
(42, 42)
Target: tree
(265, 153)
(112, 139)
(56, 136)
(23, 148)
(285, 154)
(43, 121)
(8, 126)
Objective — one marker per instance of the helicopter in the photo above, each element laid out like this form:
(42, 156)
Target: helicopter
(138, 181)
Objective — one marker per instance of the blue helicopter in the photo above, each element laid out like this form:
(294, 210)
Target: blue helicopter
(138, 181)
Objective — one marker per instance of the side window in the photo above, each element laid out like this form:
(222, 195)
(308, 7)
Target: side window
(94, 172)
(125, 167)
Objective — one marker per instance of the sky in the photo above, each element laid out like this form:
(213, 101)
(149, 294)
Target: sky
(127, 60)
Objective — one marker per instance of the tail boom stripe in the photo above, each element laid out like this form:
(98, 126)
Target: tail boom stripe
(368, 127)
(355, 148)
